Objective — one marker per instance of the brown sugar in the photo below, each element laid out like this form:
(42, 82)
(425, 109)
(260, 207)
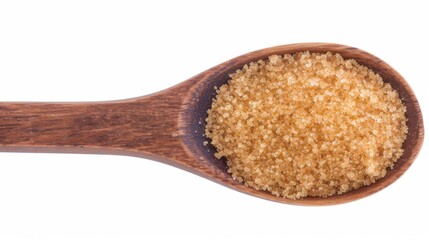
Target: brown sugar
(307, 124)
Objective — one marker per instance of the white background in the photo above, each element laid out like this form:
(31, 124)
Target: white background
(105, 50)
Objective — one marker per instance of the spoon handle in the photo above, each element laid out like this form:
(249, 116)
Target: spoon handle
(145, 125)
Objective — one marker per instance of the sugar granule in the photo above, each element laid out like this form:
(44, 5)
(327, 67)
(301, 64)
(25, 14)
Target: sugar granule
(307, 124)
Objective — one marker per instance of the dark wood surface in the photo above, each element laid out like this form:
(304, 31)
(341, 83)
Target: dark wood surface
(168, 126)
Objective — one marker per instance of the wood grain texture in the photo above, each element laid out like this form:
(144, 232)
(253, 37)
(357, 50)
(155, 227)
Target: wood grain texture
(168, 126)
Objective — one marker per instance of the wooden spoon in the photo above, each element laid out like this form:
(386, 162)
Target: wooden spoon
(168, 126)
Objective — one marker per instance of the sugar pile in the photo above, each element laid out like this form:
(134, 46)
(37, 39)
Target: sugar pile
(307, 124)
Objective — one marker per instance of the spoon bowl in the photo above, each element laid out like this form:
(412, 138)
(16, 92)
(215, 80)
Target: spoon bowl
(169, 126)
